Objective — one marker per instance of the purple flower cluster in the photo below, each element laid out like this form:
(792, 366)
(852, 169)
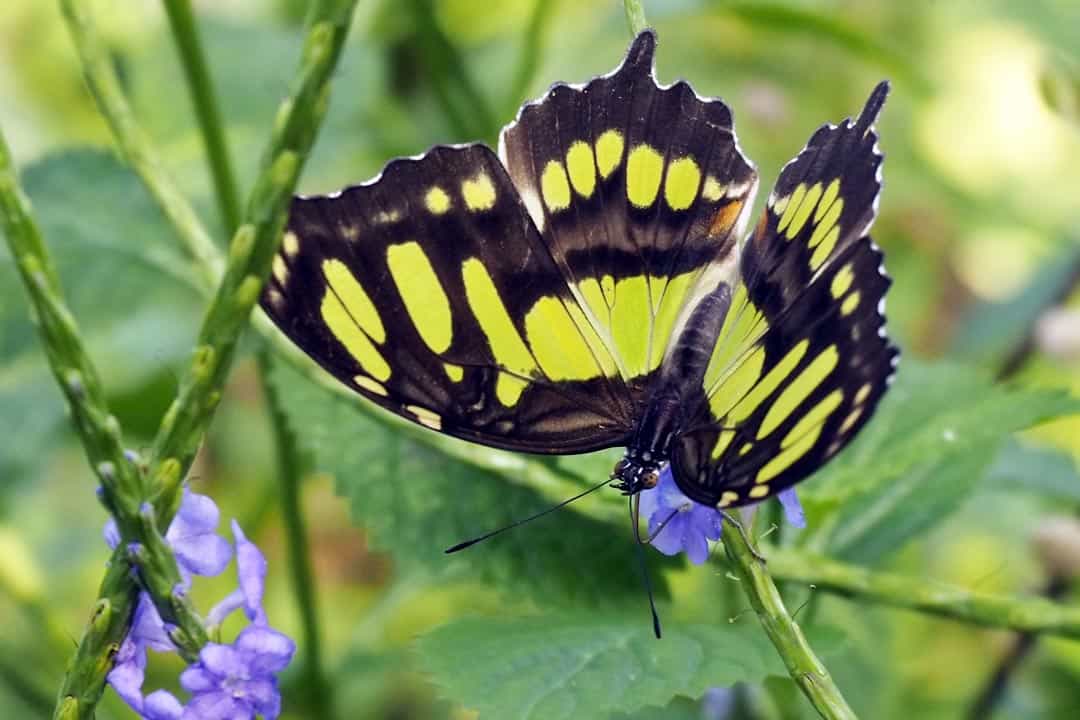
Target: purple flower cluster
(233, 681)
(690, 525)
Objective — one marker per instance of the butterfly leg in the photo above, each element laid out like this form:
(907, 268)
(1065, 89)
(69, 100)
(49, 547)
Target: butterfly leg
(730, 519)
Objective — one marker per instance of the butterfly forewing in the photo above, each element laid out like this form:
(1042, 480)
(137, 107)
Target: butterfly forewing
(802, 358)
(430, 292)
(638, 189)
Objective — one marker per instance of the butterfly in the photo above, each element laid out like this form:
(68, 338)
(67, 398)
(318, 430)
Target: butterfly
(590, 286)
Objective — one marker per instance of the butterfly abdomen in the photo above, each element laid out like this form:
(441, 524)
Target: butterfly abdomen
(686, 362)
(679, 386)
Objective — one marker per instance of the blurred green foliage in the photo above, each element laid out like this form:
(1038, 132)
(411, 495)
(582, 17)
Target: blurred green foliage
(979, 220)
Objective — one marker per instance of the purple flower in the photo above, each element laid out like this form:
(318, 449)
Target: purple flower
(199, 551)
(229, 681)
(690, 525)
(192, 536)
(718, 703)
(793, 511)
(236, 681)
(251, 572)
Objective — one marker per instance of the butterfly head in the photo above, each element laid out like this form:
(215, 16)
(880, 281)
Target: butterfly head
(635, 473)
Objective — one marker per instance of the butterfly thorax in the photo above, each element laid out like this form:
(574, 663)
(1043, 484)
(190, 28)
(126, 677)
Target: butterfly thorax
(676, 395)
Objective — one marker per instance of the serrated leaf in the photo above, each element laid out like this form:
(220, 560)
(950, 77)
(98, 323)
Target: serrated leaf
(124, 278)
(931, 442)
(579, 666)
(416, 502)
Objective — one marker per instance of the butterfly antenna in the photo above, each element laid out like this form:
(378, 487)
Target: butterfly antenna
(516, 523)
(644, 569)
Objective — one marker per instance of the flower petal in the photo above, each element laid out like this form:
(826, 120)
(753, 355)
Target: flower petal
(648, 502)
(148, 628)
(251, 569)
(225, 608)
(162, 705)
(197, 679)
(670, 539)
(222, 660)
(205, 554)
(217, 706)
(267, 650)
(264, 697)
(695, 544)
(197, 515)
(792, 508)
(127, 674)
(706, 521)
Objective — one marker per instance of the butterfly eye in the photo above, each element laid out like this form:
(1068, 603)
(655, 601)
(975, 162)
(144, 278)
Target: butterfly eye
(620, 467)
(650, 478)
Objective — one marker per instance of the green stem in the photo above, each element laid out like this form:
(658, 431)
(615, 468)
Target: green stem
(464, 105)
(1033, 614)
(100, 74)
(635, 16)
(252, 248)
(787, 637)
(193, 60)
(121, 477)
(316, 687)
(533, 38)
(248, 263)
(289, 470)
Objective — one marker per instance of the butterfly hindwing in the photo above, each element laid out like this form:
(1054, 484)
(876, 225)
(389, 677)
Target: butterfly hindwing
(802, 357)
(430, 292)
(804, 390)
(638, 189)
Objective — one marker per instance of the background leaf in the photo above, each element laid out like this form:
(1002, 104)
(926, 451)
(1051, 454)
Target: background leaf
(1024, 467)
(126, 282)
(417, 502)
(931, 442)
(556, 667)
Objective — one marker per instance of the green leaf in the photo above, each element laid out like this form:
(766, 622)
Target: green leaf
(933, 439)
(576, 666)
(124, 279)
(991, 329)
(252, 64)
(680, 708)
(1020, 467)
(416, 502)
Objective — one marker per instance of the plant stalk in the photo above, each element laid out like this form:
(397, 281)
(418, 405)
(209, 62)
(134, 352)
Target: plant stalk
(248, 263)
(204, 99)
(1032, 614)
(808, 672)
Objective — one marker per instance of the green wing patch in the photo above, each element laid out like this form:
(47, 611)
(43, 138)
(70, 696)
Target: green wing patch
(430, 292)
(638, 190)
